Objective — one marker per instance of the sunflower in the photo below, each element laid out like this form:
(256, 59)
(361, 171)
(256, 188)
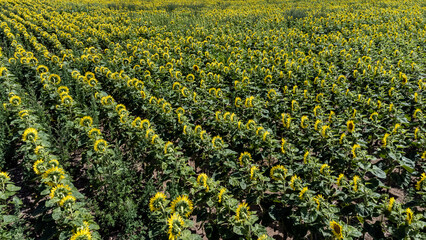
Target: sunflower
(4, 176)
(253, 171)
(318, 199)
(305, 157)
(301, 194)
(410, 215)
(242, 213)
(384, 140)
(182, 205)
(339, 179)
(62, 90)
(237, 102)
(190, 77)
(342, 137)
(54, 78)
(23, 114)
(265, 134)
(415, 112)
(66, 100)
(30, 134)
(60, 191)
(278, 172)
(390, 205)
(283, 142)
(175, 224)
(221, 193)
(317, 122)
(15, 100)
(37, 166)
(136, 122)
(157, 202)
(202, 181)
(395, 129)
(324, 130)
(263, 237)
(325, 169)
(167, 148)
(55, 173)
(374, 116)
(337, 229)
(94, 133)
(82, 234)
(355, 182)
(303, 120)
(245, 157)
(419, 183)
(100, 145)
(351, 126)
(294, 180)
(354, 148)
(86, 121)
(67, 200)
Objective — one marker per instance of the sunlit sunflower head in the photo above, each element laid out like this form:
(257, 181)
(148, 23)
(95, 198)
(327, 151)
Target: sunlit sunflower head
(55, 174)
(221, 194)
(86, 121)
(337, 229)
(4, 176)
(182, 205)
(60, 191)
(421, 182)
(253, 172)
(175, 224)
(67, 201)
(278, 172)
(351, 126)
(202, 181)
(100, 145)
(409, 216)
(82, 234)
(244, 158)
(242, 213)
(157, 202)
(30, 134)
(39, 167)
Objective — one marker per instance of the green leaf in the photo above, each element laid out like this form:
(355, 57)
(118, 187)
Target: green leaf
(378, 172)
(9, 219)
(243, 185)
(3, 196)
(409, 169)
(12, 188)
(56, 214)
(238, 230)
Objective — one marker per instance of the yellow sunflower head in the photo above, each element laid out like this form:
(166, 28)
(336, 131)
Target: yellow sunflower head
(278, 172)
(351, 126)
(337, 229)
(182, 205)
(30, 134)
(60, 191)
(175, 224)
(242, 213)
(157, 202)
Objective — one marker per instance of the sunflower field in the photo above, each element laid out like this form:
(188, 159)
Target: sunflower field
(212, 119)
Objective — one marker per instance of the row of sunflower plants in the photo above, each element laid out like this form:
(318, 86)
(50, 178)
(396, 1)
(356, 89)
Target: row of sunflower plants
(12, 224)
(68, 210)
